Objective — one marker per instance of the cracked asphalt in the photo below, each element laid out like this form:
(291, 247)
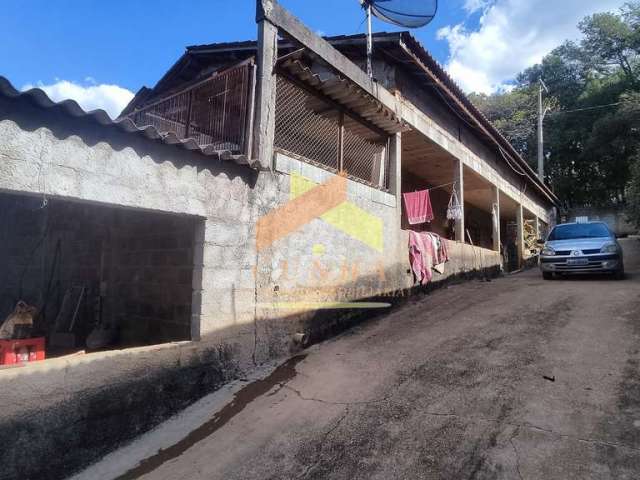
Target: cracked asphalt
(451, 386)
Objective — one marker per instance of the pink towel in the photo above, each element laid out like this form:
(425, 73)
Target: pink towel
(421, 256)
(418, 206)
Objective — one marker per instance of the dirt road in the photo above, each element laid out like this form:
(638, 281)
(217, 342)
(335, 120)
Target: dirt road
(517, 378)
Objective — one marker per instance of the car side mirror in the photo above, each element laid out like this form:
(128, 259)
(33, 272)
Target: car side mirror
(540, 241)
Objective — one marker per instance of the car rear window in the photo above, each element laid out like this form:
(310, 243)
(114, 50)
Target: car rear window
(579, 230)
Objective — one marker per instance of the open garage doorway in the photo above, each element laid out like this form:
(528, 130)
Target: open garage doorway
(95, 277)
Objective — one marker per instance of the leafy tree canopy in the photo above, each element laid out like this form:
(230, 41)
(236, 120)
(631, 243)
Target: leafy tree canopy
(592, 130)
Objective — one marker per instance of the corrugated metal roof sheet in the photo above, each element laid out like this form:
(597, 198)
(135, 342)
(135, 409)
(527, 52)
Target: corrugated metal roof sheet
(40, 99)
(345, 93)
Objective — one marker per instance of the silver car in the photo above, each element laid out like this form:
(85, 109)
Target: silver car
(588, 247)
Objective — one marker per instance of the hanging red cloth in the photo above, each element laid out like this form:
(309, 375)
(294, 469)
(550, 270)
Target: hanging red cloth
(427, 250)
(418, 206)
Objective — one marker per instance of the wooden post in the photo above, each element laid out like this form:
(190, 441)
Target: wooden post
(395, 188)
(495, 209)
(458, 178)
(395, 166)
(382, 171)
(341, 143)
(187, 125)
(265, 119)
(248, 138)
(520, 234)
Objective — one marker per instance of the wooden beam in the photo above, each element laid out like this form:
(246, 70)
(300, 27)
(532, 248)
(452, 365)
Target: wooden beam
(265, 115)
(395, 166)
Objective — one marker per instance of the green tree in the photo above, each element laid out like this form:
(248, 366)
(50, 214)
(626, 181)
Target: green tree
(611, 42)
(513, 114)
(591, 133)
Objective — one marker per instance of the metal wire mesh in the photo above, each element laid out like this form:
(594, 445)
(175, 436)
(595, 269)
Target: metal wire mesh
(213, 112)
(309, 127)
(305, 125)
(365, 154)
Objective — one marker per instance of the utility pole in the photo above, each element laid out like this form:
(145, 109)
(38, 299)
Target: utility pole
(541, 114)
(369, 41)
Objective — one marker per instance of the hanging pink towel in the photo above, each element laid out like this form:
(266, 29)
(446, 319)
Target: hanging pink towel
(425, 255)
(418, 206)
(421, 256)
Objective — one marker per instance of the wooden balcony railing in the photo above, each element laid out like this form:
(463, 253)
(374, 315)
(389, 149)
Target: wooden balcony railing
(215, 112)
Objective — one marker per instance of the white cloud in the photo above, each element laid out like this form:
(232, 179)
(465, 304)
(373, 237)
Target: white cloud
(110, 98)
(512, 35)
(472, 6)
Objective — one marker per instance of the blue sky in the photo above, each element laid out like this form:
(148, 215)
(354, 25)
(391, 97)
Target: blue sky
(127, 44)
(132, 43)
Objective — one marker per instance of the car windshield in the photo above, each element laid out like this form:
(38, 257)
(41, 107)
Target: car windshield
(579, 230)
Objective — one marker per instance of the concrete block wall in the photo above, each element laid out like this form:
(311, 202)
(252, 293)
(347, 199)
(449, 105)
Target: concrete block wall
(45, 153)
(149, 287)
(138, 256)
(22, 226)
(319, 263)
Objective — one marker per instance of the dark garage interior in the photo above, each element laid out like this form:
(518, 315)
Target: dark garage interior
(98, 277)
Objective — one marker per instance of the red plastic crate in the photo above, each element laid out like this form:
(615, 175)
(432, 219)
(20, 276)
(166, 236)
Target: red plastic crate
(20, 351)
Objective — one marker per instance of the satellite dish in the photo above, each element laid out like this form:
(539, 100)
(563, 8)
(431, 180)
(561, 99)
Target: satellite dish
(403, 13)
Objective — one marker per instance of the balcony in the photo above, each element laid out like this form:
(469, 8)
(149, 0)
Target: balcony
(215, 112)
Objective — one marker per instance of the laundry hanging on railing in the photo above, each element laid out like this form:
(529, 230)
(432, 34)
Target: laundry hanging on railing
(418, 207)
(427, 251)
(454, 209)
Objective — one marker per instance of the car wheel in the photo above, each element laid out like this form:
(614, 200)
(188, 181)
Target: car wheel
(547, 275)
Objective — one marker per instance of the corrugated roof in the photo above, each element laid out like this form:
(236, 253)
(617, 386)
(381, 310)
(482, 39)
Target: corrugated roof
(37, 97)
(345, 93)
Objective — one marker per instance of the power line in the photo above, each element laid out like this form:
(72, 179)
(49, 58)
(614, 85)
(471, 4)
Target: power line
(591, 108)
(518, 171)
